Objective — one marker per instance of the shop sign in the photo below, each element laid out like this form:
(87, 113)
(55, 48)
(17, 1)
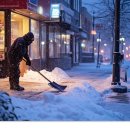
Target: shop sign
(55, 11)
(13, 4)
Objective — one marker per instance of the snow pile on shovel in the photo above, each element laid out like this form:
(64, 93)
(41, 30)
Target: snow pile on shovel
(55, 75)
(6, 108)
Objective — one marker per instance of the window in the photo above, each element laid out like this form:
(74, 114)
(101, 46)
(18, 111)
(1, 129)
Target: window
(59, 45)
(35, 46)
(2, 36)
(54, 41)
(65, 44)
(43, 40)
(19, 26)
(76, 5)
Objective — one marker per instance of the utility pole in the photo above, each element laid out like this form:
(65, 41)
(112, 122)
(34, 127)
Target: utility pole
(116, 85)
(98, 56)
(93, 37)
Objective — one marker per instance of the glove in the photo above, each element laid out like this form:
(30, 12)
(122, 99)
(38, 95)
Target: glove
(28, 62)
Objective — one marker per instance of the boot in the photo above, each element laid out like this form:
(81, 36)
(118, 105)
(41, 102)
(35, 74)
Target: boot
(17, 87)
(11, 86)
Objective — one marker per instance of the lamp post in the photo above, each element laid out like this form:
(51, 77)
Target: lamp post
(93, 32)
(116, 85)
(98, 56)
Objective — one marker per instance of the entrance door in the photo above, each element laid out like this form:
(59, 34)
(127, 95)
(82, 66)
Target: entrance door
(19, 27)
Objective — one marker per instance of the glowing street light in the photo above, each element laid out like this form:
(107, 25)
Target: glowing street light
(102, 51)
(98, 41)
(83, 45)
(124, 43)
(122, 39)
(105, 44)
(127, 48)
(93, 32)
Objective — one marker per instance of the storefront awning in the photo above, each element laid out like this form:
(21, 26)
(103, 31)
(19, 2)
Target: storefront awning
(13, 4)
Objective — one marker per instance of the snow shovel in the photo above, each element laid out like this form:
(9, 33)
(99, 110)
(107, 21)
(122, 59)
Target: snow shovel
(52, 84)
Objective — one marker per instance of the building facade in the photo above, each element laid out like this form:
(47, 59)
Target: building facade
(55, 24)
(17, 17)
(85, 30)
(63, 29)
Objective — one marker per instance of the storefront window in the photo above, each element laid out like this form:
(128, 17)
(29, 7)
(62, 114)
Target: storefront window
(2, 36)
(54, 42)
(65, 46)
(76, 51)
(43, 40)
(35, 47)
(59, 45)
(19, 26)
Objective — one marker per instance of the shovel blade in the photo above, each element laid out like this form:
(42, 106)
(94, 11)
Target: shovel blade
(57, 86)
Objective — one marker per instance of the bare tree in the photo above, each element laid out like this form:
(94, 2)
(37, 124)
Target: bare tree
(106, 11)
(104, 14)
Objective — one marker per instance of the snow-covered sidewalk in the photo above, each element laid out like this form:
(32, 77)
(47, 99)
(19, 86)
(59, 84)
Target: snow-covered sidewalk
(80, 101)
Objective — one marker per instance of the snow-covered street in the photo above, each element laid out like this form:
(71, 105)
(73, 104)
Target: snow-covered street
(86, 98)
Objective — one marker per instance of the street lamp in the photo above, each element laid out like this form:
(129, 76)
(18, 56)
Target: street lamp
(93, 32)
(98, 56)
(122, 39)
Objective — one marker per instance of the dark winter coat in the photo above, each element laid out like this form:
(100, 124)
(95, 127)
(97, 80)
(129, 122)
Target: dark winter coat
(18, 51)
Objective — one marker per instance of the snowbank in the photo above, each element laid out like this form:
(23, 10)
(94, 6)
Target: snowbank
(55, 75)
(6, 108)
(82, 103)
